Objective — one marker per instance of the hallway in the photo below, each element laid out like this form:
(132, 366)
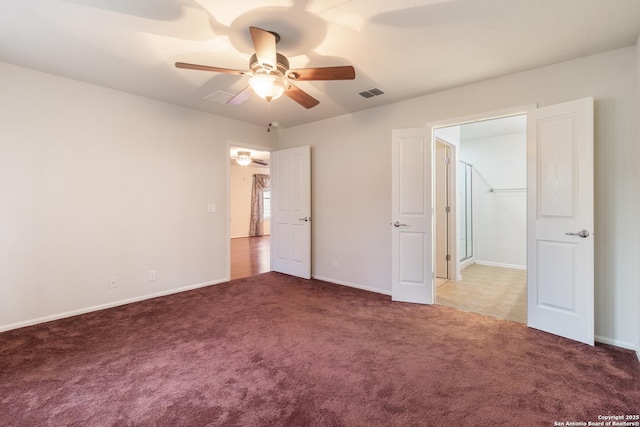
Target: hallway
(249, 256)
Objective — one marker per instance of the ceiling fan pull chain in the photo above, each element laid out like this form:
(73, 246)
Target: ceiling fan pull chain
(269, 115)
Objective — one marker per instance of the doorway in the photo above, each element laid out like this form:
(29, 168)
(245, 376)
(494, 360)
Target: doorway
(249, 211)
(250, 256)
(559, 225)
(443, 189)
(490, 182)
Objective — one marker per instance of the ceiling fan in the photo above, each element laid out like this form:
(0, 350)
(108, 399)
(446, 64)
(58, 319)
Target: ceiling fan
(243, 158)
(270, 73)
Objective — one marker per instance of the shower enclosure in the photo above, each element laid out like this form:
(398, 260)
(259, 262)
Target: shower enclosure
(465, 227)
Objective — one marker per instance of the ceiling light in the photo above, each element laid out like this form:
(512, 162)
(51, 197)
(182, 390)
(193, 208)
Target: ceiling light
(243, 158)
(268, 85)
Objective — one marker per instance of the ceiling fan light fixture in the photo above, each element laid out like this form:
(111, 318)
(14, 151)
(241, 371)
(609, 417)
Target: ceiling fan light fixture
(243, 158)
(270, 75)
(268, 85)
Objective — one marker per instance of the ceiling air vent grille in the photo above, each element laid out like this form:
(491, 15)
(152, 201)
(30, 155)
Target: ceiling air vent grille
(370, 93)
(219, 97)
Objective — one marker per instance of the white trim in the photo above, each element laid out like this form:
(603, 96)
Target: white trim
(467, 262)
(478, 117)
(227, 190)
(246, 235)
(352, 285)
(72, 313)
(481, 117)
(616, 343)
(600, 339)
(503, 265)
(452, 201)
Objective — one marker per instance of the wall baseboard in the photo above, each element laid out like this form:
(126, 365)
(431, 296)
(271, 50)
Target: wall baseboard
(31, 322)
(64, 315)
(467, 262)
(600, 339)
(617, 343)
(352, 285)
(498, 264)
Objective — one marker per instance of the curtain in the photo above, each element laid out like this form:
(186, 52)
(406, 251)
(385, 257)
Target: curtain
(256, 225)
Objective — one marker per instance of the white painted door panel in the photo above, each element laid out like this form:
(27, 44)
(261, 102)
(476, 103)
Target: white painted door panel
(411, 215)
(291, 211)
(441, 205)
(560, 201)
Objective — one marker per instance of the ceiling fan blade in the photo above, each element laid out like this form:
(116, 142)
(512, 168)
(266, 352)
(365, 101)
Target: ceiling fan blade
(208, 68)
(346, 72)
(265, 44)
(260, 162)
(240, 97)
(301, 97)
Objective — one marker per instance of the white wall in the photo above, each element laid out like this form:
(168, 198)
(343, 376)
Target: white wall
(97, 183)
(352, 199)
(637, 263)
(241, 182)
(500, 217)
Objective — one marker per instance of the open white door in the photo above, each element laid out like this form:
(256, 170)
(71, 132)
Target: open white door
(411, 216)
(560, 220)
(291, 211)
(441, 204)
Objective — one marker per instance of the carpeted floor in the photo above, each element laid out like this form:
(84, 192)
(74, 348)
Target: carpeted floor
(273, 350)
(492, 291)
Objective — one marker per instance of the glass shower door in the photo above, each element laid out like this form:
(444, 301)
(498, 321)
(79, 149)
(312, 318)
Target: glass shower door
(465, 227)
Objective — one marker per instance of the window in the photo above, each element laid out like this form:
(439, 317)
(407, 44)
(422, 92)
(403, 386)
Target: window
(266, 197)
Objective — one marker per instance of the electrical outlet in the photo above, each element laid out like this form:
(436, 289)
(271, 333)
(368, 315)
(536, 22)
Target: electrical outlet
(152, 275)
(113, 282)
(336, 264)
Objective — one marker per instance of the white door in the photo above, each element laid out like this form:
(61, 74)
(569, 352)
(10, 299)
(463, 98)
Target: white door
(560, 220)
(411, 216)
(291, 211)
(442, 210)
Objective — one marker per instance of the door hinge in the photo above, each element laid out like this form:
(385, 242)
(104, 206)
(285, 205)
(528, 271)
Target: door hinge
(447, 209)
(448, 257)
(446, 160)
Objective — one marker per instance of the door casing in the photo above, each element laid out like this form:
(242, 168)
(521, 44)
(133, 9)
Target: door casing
(445, 182)
(228, 196)
(453, 171)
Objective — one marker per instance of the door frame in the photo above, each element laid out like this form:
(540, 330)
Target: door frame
(452, 225)
(227, 190)
(454, 215)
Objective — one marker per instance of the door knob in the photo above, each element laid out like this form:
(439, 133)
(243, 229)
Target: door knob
(582, 233)
(397, 224)
(305, 219)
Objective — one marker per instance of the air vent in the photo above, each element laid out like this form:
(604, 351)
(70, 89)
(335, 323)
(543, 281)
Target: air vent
(370, 93)
(219, 97)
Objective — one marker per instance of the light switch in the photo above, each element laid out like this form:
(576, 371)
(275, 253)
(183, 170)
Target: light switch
(211, 207)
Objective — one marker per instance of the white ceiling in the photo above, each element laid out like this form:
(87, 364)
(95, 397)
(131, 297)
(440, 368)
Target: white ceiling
(406, 48)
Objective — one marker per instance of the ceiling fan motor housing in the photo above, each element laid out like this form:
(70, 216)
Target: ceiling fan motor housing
(270, 76)
(282, 64)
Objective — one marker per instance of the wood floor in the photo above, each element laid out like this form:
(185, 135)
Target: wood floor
(249, 256)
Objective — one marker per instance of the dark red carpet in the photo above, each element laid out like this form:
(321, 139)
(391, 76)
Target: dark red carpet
(273, 350)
